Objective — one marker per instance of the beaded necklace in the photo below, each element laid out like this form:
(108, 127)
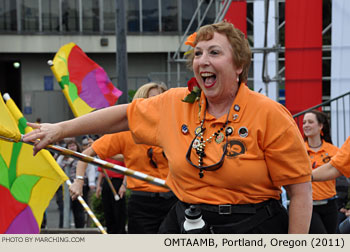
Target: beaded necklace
(199, 142)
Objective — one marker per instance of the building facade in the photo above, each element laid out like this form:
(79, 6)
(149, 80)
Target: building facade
(32, 31)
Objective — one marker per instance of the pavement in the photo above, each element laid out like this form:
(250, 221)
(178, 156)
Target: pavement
(52, 214)
(52, 223)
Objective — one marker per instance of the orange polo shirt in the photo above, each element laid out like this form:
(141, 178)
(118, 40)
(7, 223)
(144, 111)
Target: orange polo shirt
(325, 189)
(135, 158)
(264, 152)
(341, 161)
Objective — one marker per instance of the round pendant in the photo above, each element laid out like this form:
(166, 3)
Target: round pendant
(198, 130)
(195, 144)
(219, 138)
(229, 131)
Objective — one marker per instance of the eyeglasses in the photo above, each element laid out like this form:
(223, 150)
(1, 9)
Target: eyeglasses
(210, 167)
(150, 155)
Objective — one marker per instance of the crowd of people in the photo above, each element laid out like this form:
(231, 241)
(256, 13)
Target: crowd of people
(222, 148)
(69, 166)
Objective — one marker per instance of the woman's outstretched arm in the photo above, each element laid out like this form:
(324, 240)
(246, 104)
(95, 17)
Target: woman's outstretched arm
(107, 120)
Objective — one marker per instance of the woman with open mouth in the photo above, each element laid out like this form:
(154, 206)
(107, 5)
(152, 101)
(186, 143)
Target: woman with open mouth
(229, 149)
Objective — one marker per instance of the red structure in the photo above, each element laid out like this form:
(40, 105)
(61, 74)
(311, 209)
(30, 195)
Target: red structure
(303, 54)
(237, 15)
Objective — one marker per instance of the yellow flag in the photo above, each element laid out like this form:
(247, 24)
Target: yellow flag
(27, 183)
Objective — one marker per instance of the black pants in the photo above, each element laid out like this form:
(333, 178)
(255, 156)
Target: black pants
(324, 218)
(59, 201)
(114, 211)
(146, 213)
(274, 220)
(78, 210)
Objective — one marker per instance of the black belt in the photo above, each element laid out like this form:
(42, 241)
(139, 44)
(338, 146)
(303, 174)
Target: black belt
(264, 211)
(166, 195)
(236, 209)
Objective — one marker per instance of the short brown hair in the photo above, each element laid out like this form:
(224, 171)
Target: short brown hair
(241, 51)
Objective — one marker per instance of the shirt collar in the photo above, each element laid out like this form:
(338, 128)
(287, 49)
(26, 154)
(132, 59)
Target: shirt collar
(236, 110)
(322, 148)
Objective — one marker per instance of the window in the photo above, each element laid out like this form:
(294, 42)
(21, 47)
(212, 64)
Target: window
(169, 15)
(70, 15)
(210, 16)
(188, 9)
(133, 15)
(8, 19)
(150, 15)
(109, 15)
(50, 15)
(91, 15)
(30, 15)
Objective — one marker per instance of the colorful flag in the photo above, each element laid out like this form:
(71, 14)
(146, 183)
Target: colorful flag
(27, 183)
(84, 83)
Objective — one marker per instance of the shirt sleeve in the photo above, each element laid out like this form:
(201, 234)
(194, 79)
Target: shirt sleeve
(108, 145)
(144, 117)
(287, 159)
(285, 152)
(341, 161)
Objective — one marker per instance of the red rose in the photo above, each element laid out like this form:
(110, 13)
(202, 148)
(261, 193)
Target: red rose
(192, 83)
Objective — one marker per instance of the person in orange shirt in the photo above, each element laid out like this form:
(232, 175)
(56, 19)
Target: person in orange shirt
(114, 211)
(338, 166)
(320, 149)
(148, 204)
(229, 149)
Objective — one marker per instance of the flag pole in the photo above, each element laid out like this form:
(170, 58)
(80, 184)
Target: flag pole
(88, 210)
(81, 200)
(115, 194)
(13, 137)
(105, 164)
